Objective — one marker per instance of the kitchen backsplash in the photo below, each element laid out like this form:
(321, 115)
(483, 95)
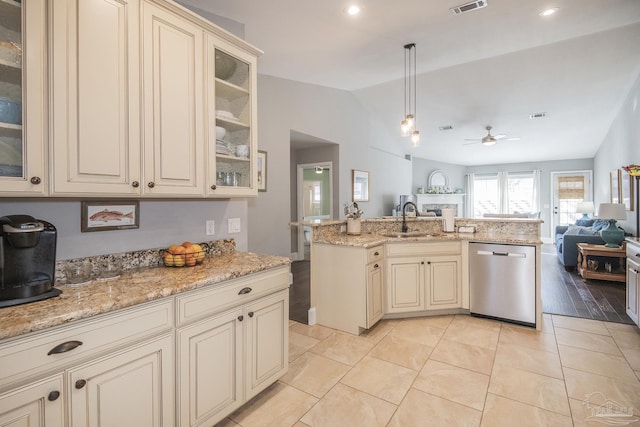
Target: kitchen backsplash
(138, 259)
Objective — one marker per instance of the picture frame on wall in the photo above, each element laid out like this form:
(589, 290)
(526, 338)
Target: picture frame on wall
(626, 189)
(261, 165)
(614, 177)
(109, 215)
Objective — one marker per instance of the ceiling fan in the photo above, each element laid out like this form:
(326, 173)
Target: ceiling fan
(491, 139)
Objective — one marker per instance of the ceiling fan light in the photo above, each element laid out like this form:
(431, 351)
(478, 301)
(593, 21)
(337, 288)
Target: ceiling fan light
(415, 138)
(488, 141)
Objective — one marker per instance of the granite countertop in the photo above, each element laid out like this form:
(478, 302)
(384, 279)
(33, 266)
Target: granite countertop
(132, 287)
(367, 240)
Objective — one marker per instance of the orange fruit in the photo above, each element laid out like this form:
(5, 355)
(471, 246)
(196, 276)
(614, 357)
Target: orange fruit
(191, 262)
(179, 250)
(172, 248)
(186, 244)
(190, 253)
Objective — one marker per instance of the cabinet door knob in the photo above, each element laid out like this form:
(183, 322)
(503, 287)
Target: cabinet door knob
(251, 314)
(376, 253)
(429, 262)
(80, 383)
(53, 396)
(151, 184)
(422, 262)
(135, 184)
(64, 347)
(35, 180)
(241, 318)
(244, 291)
(213, 187)
(375, 266)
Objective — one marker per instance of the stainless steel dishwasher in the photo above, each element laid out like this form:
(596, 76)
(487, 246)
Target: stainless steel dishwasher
(502, 282)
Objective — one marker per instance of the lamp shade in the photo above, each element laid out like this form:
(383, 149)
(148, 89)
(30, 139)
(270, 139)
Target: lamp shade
(611, 234)
(612, 211)
(585, 207)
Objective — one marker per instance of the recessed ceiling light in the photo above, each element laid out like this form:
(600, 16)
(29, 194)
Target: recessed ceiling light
(354, 9)
(549, 11)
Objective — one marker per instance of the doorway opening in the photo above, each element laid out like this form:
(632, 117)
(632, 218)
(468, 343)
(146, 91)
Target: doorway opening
(567, 190)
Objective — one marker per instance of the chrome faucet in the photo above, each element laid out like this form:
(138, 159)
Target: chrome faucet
(404, 215)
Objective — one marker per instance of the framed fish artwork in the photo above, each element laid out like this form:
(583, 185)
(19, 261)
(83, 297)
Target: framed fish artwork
(111, 215)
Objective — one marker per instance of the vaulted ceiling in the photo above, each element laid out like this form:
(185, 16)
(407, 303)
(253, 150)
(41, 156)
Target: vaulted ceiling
(492, 66)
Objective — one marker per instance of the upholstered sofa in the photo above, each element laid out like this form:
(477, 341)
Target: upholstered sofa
(568, 236)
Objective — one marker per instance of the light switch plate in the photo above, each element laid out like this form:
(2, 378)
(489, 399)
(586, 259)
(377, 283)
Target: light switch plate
(234, 225)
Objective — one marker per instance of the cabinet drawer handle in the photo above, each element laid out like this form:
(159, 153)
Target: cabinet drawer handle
(376, 253)
(251, 314)
(244, 291)
(64, 347)
(135, 184)
(80, 383)
(53, 396)
(35, 180)
(241, 318)
(151, 184)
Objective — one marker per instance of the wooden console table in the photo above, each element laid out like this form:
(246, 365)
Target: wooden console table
(587, 270)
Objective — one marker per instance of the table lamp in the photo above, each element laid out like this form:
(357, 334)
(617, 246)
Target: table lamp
(611, 234)
(585, 208)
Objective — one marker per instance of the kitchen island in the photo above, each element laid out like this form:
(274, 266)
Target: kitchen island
(156, 346)
(357, 280)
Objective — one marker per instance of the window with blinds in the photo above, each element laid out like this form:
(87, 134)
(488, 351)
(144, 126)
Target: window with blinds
(571, 187)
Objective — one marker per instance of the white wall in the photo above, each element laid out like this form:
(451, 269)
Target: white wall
(422, 168)
(621, 147)
(162, 222)
(328, 114)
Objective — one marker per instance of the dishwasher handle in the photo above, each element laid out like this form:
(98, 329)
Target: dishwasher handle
(494, 253)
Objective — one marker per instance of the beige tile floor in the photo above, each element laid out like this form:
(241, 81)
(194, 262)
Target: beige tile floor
(454, 371)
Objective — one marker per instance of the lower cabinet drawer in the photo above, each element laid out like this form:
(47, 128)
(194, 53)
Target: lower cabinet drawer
(633, 252)
(62, 345)
(204, 302)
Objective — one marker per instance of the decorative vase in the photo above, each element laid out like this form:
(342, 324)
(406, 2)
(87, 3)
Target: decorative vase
(353, 226)
(612, 235)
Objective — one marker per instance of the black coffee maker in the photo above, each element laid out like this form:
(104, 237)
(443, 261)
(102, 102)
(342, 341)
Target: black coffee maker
(27, 260)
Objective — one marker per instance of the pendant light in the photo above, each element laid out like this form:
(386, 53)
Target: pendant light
(408, 124)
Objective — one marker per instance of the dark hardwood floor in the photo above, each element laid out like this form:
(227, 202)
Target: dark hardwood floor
(299, 292)
(568, 294)
(563, 292)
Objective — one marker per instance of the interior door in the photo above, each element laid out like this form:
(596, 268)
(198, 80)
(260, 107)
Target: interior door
(567, 190)
(315, 199)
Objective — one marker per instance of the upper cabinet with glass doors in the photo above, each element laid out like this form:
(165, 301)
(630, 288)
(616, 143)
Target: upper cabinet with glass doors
(232, 118)
(22, 125)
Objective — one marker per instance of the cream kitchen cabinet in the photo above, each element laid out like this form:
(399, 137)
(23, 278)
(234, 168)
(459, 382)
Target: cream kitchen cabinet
(134, 99)
(347, 286)
(105, 371)
(22, 80)
(633, 281)
(231, 113)
(36, 404)
(236, 348)
(173, 86)
(424, 276)
(95, 138)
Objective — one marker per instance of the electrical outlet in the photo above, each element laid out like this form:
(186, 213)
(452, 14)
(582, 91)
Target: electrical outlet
(210, 227)
(234, 225)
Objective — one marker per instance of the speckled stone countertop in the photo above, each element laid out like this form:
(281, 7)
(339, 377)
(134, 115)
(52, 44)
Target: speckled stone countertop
(133, 287)
(376, 231)
(368, 240)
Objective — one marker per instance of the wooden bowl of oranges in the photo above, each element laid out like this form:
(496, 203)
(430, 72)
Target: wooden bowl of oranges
(188, 254)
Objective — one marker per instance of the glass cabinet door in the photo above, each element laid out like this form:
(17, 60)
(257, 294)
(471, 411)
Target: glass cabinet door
(22, 93)
(233, 116)
(11, 150)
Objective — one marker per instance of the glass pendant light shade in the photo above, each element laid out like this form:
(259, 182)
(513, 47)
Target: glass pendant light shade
(415, 138)
(405, 129)
(411, 121)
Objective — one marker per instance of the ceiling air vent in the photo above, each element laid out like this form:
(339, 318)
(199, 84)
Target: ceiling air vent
(447, 127)
(537, 115)
(468, 7)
